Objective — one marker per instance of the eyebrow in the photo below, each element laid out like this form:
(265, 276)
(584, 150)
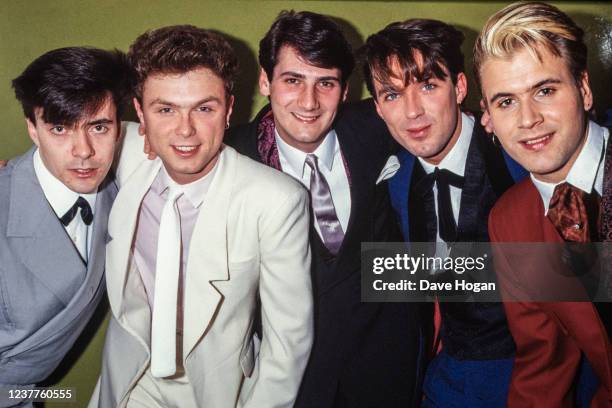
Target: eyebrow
(101, 121)
(302, 76)
(387, 88)
(159, 101)
(547, 81)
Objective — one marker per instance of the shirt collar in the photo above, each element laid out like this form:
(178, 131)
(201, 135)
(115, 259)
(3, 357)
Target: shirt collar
(455, 159)
(583, 174)
(59, 196)
(194, 191)
(296, 158)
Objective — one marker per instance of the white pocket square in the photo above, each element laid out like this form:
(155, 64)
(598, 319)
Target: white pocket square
(389, 170)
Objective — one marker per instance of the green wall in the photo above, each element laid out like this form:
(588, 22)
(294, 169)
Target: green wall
(29, 28)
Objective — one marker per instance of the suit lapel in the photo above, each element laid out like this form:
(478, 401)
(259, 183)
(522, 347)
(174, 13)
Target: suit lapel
(121, 229)
(399, 190)
(43, 243)
(207, 261)
(104, 201)
(471, 203)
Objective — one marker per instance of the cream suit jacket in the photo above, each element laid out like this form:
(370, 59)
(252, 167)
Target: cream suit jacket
(250, 239)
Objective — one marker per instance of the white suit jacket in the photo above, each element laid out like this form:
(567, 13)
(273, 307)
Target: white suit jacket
(250, 239)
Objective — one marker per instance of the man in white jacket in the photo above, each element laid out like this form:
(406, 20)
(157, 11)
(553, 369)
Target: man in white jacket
(196, 237)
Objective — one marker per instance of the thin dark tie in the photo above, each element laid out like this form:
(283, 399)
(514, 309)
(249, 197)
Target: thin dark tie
(443, 179)
(86, 213)
(323, 207)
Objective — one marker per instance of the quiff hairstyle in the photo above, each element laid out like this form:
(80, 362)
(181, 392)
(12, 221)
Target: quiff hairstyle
(316, 38)
(529, 25)
(179, 49)
(438, 43)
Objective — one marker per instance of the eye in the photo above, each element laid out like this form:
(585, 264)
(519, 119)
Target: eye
(327, 84)
(292, 81)
(546, 91)
(391, 96)
(165, 110)
(99, 129)
(204, 109)
(58, 130)
(428, 86)
(505, 103)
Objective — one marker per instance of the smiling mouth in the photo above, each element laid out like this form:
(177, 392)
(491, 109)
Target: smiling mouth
(537, 143)
(305, 118)
(185, 149)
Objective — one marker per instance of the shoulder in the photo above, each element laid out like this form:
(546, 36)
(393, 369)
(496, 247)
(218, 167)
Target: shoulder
(18, 173)
(361, 121)
(15, 166)
(243, 137)
(130, 152)
(363, 135)
(513, 205)
(258, 180)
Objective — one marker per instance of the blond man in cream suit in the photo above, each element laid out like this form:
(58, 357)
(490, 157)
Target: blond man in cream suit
(249, 241)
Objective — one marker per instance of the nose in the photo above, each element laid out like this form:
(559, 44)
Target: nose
(308, 99)
(185, 126)
(82, 146)
(413, 106)
(529, 115)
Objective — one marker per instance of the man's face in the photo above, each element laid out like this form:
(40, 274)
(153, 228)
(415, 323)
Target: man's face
(184, 118)
(537, 110)
(79, 155)
(423, 117)
(304, 99)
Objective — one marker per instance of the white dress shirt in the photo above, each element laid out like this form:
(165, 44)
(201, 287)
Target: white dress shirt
(61, 199)
(331, 165)
(587, 171)
(454, 161)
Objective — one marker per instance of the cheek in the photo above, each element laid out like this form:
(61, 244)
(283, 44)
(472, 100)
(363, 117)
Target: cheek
(392, 116)
(330, 99)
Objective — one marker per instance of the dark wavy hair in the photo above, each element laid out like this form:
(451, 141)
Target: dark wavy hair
(73, 82)
(438, 43)
(316, 38)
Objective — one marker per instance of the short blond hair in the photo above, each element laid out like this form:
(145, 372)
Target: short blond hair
(527, 25)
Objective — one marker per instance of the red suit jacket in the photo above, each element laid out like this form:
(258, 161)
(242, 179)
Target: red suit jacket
(549, 336)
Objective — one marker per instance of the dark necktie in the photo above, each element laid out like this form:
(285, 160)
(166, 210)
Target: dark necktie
(574, 213)
(86, 213)
(323, 207)
(443, 179)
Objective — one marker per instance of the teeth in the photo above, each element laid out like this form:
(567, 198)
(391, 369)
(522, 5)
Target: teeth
(531, 142)
(185, 148)
(306, 118)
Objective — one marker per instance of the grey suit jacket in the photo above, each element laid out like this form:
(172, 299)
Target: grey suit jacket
(47, 293)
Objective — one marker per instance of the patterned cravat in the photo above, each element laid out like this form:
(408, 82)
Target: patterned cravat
(569, 214)
(323, 207)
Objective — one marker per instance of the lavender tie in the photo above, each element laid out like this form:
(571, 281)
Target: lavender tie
(323, 207)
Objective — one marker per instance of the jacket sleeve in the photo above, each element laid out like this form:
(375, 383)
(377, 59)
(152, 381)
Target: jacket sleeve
(286, 304)
(546, 359)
